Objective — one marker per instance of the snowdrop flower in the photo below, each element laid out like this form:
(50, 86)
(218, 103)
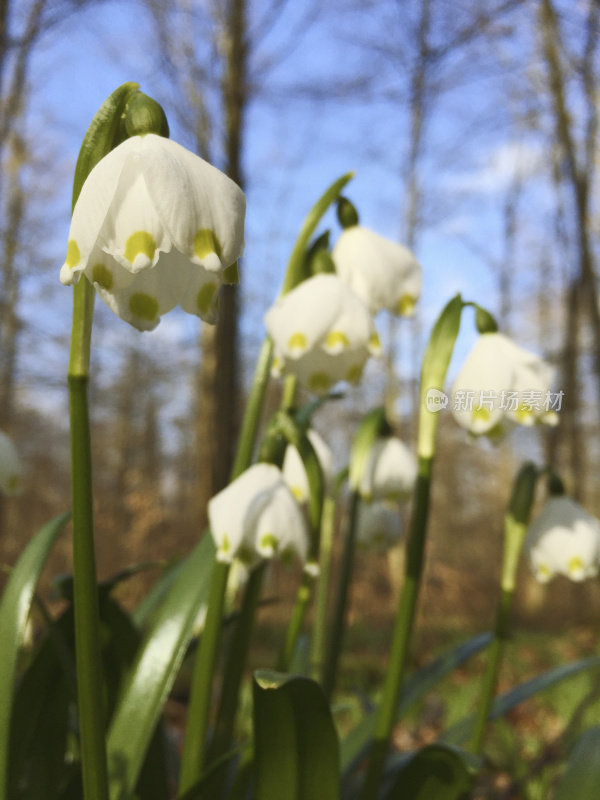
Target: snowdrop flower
(502, 383)
(293, 468)
(155, 226)
(383, 274)
(563, 539)
(10, 469)
(322, 333)
(257, 517)
(390, 471)
(379, 525)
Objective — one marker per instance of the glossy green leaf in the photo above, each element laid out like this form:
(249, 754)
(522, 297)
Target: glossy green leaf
(14, 611)
(354, 746)
(581, 779)
(436, 771)
(524, 691)
(296, 745)
(154, 671)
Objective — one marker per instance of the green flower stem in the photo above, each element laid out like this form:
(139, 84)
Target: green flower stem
(194, 748)
(295, 625)
(253, 410)
(85, 594)
(515, 528)
(339, 614)
(295, 269)
(490, 677)
(319, 632)
(401, 638)
(433, 374)
(234, 668)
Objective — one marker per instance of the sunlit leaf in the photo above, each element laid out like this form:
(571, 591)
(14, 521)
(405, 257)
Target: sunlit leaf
(581, 778)
(296, 745)
(154, 671)
(14, 611)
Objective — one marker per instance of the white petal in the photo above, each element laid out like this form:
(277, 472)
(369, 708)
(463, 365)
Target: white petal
(93, 205)
(293, 467)
(191, 195)
(390, 472)
(304, 316)
(383, 273)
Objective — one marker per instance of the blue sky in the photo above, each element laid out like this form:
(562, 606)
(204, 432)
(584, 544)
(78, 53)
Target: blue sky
(294, 150)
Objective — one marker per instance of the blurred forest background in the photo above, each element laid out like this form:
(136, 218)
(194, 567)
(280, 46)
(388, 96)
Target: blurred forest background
(472, 127)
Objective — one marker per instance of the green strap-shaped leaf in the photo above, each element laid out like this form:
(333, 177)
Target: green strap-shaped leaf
(354, 746)
(581, 779)
(296, 745)
(507, 701)
(154, 671)
(14, 610)
(436, 771)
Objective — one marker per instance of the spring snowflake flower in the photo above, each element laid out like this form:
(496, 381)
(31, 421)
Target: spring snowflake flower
(256, 517)
(501, 384)
(155, 226)
(10, 470)
(390, 471)
(379, 525)
(563, 539)
(293, 468)
(322, 333)
(383, 274)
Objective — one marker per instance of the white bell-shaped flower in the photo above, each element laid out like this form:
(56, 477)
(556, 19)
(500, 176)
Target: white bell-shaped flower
(390, 471)
(293, 467)
(322, 333)
(564, 539)
(10, 469)
(383, 273)
(155, 226)
(379, 525)
(501, 384)
(256, 517)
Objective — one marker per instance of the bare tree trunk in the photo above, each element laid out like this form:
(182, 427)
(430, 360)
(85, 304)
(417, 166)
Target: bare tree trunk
(577, 171)
(219, 385)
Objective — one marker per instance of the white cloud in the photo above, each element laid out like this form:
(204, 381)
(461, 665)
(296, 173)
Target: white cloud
(499, 168)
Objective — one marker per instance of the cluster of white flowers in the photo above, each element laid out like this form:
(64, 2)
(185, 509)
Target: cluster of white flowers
(10, 469)
(155, 226)
(388, 478)
(323, 330)
(565, 540)
(496, 368)
(257, 517)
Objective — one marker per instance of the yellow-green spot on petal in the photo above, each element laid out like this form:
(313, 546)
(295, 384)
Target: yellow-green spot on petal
(73, 255)
(543, 573)
(298, 493)
(354, 374)
(337, 340)
(406, 305)
(225, 544)
(319, 382)
(268, 541)
(374, 343)
(205, 297)
(575, 567)
(139, 242)
(297, 341)
(102, 276)
(482, 414)
(206, 242)
(525, 416)
(143, 306)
